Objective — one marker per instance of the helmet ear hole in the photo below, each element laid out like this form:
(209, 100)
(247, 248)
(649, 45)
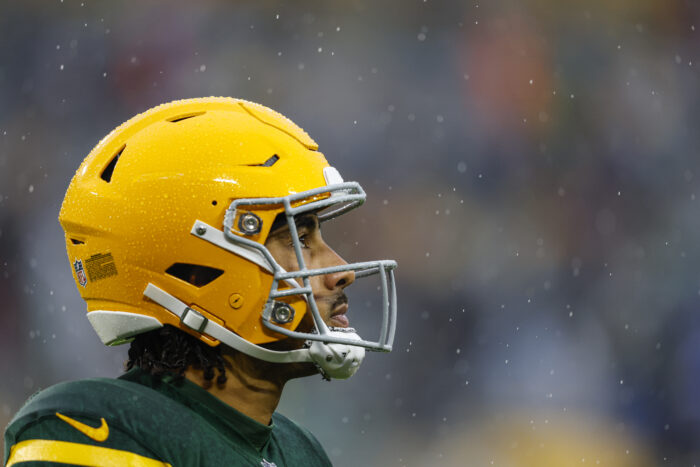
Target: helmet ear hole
(194, 274)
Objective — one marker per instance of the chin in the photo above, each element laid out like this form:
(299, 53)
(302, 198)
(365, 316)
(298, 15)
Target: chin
(302, 370)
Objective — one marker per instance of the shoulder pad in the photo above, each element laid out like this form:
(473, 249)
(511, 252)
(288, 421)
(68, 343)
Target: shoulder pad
(134, 409)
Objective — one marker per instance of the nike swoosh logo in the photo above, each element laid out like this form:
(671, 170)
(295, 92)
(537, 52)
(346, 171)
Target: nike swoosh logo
(98, 434)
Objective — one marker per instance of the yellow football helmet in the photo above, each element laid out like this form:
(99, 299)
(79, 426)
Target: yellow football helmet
(166, 221)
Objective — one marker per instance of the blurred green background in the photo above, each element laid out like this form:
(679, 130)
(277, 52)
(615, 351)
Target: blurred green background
(532, 166)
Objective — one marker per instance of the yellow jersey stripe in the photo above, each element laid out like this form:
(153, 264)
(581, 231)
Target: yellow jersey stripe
(78, 454)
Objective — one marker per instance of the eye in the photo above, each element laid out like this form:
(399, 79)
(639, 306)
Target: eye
(304, 240)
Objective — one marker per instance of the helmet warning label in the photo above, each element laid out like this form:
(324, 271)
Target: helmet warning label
(100, 266)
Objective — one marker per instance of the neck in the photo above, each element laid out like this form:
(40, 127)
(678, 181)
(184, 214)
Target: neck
(252, 387)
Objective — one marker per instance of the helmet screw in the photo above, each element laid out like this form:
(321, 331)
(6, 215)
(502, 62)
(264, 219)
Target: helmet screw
(201, 230)
(282, 313)
(329, 358)
(235, 300)
(249, 223)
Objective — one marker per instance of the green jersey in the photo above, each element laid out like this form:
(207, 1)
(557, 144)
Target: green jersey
(144, 421)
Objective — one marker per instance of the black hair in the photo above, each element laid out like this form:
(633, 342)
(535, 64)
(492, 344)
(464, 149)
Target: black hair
(168, 350)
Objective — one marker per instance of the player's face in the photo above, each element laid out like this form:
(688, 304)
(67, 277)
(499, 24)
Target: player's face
(328, 289)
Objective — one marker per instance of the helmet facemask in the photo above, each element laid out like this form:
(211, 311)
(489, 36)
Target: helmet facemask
(327, 202)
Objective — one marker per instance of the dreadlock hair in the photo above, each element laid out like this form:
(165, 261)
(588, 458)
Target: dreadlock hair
(168, 350)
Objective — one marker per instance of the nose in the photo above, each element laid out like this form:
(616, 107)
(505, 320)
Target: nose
(339, 279)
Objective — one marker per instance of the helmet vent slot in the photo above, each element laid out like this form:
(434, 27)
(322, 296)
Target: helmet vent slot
(268, 163)
(180, 118)
(109, 170)
(75, 241)
(194, 274)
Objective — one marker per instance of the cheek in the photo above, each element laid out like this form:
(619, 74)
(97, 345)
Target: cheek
(289, 261)
(316, 256)
(284, 256)
(316, 282)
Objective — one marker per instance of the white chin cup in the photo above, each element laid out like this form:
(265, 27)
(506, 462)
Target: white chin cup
(338, 361)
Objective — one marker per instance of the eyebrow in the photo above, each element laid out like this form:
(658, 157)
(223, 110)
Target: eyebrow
(309, 221)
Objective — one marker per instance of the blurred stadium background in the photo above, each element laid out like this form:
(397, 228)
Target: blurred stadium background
(533, 166)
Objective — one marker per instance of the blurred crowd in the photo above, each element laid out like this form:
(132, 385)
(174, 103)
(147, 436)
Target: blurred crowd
(532, 165)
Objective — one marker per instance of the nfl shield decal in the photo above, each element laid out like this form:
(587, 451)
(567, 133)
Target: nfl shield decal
(80, 272)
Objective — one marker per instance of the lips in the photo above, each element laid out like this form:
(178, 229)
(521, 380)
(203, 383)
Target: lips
(338, 317)
(340, 321)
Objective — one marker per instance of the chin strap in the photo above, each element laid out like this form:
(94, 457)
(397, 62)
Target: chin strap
(339, 361)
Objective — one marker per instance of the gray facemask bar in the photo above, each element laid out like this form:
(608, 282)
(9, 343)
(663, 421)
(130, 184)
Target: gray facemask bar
(343, 197)
(385, 269)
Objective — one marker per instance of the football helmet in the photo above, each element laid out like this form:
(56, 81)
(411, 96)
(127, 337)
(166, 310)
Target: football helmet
(166, 222)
